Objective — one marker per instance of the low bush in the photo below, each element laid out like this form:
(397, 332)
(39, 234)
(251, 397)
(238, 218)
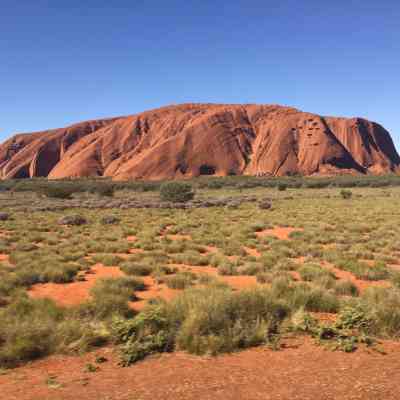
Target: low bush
(72, 220)
(147, 333)
(109, 219)
(59, 191)
(176, 192)
(346, 194)
(102, 189)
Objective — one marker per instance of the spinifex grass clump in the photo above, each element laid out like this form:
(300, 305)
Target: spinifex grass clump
(33, 328)
(124, 286)
(362, 270)
(110, 297)
(383, 305)
(211, 320)
(136, 268)
(181, 280)
(313, 272)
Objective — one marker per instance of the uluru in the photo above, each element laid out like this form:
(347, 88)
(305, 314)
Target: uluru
(189, 140)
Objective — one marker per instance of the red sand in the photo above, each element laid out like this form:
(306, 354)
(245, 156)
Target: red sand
(153, 290)
(279, 232)
(179, 237)
(301, 371)
(252, 252)
(4, 257)
(74, 293)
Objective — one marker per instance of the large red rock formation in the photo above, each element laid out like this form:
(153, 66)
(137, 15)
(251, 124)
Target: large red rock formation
(203, 139)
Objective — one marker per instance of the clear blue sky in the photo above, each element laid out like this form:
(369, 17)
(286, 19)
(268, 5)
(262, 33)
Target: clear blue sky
(66, 61)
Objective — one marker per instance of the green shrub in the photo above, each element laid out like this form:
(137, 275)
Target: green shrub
(58, 191)
(354, 317)
(346, 194)
(102, 189)
(177, 192)
(147, 333)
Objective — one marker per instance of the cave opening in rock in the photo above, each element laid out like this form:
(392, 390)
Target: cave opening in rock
(207, 170)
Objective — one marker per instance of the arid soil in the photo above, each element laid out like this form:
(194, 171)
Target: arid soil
(302, 371)
(189, 140)
(279, 232)
(78, 292)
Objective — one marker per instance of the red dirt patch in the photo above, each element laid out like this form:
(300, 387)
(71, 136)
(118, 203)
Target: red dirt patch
(136, 251)
(300, 371)
(395, 267)
(179, 237)
(210, 250)
(197, 269)
(300, 260)
(327, 318)
(238, 282)
(279, 232)
(4, 257)
(131, 238)
(74, 293)
(153, 290)
(252, 252)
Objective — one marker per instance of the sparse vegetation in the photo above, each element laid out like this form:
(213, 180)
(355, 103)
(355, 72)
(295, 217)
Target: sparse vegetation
(199, 253)
(177, 192)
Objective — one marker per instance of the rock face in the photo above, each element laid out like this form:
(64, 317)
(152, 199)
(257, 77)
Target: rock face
(203, 139)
